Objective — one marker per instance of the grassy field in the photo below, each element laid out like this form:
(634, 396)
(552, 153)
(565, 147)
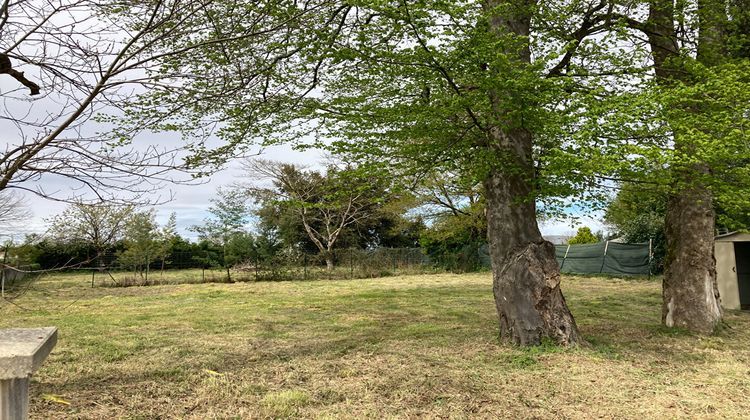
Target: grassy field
(410, 346)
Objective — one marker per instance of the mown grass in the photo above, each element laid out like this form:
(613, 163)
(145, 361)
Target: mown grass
(410, 346)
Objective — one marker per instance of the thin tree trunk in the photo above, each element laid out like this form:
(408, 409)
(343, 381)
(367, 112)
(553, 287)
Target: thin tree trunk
(329, 261)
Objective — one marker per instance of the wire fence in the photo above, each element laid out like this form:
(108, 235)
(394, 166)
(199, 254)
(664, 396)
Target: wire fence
(113, 269)
(208, 266)
(12, 279)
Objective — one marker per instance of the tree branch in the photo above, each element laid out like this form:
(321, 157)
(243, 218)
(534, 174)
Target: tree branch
(7, 68)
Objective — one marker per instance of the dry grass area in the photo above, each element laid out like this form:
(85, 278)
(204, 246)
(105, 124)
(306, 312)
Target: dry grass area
(400, 347)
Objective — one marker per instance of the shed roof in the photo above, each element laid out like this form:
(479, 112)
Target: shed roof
(734, 237)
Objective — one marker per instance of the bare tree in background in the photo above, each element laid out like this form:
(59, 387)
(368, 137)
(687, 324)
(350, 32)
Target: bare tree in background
(447, 194)
(13, 209)
(99, 226)
(64, 64)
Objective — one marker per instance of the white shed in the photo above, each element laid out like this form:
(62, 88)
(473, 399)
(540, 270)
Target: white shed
(733, 269)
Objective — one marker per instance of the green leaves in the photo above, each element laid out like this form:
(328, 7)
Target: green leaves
(229, 215)
(412, 87)
(583, 236)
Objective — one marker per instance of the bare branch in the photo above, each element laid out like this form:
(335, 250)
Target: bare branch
(6, 67)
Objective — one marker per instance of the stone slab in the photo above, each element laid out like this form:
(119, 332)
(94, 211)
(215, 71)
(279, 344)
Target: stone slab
(22, 350)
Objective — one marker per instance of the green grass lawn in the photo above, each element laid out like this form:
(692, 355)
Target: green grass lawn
(410, 346)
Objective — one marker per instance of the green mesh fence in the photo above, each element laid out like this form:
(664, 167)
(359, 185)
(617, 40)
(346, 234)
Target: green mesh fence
(608, 258)
(604, 257)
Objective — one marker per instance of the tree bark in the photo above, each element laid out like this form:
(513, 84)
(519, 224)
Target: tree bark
(329, 261)
(690, 294)
(690, 291)
(7, 68)
(526, 276)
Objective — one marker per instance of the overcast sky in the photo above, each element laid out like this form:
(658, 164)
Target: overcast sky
(190, 202)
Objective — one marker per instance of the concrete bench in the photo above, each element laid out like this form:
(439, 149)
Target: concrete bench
(22, 351)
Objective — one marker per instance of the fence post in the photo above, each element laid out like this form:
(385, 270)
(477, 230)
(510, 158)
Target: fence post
(351, 263)
(565, 257)
(650, 256)
(148, 264)
(256, 268)
(305, 264)
(604, 257)
(204, 268)
(2, 272)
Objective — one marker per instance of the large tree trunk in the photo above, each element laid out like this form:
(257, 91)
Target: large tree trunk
(690, 292)
(526, 276)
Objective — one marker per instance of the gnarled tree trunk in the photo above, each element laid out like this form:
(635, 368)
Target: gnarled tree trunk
(526, 275)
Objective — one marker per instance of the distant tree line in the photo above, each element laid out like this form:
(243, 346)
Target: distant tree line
(285, 209)
(292, 209)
